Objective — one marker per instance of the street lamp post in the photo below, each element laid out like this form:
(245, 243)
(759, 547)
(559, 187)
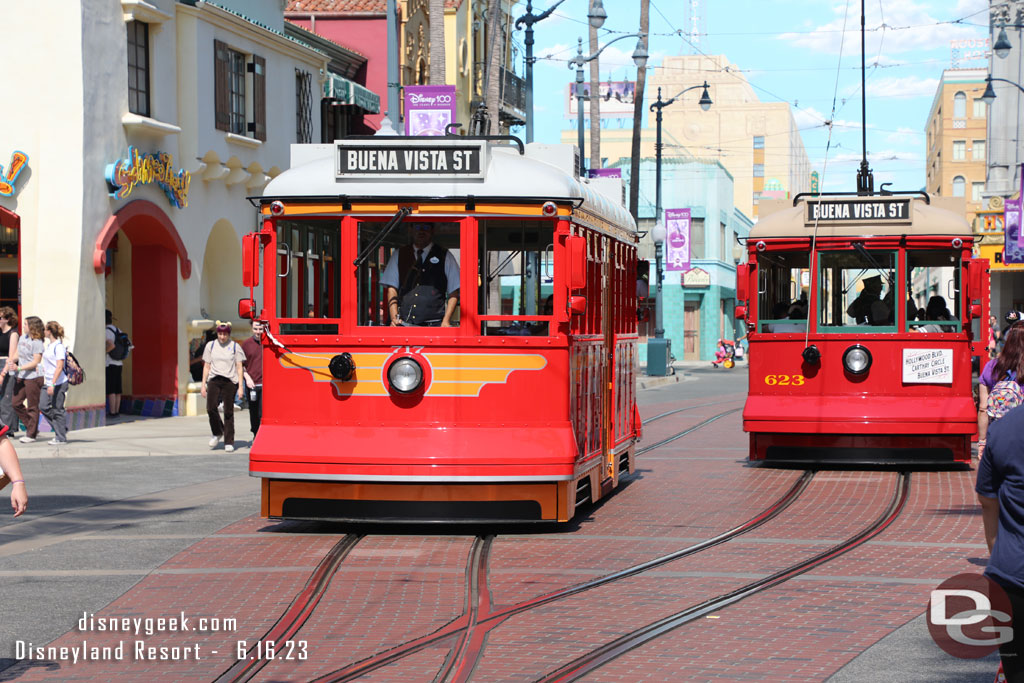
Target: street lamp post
(989, 96)
(530, 19)
(659, 348)
(639, 58)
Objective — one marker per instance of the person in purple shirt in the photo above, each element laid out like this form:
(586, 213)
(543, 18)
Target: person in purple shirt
(1009, 364)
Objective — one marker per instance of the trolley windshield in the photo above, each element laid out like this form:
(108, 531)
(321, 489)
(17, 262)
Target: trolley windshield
(408, 272)
(857, 290)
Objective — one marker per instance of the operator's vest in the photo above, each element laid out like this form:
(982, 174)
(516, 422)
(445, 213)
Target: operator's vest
(422, 292)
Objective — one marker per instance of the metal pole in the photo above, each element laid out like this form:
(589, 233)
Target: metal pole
(659, 311)
(393, 80)
(529, 71)
(579, 108)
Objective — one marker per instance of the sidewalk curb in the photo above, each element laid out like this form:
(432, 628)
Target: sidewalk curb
(654, 382)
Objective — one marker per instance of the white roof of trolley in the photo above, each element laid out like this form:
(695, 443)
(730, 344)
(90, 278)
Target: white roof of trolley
(402, 168)
(861, 216)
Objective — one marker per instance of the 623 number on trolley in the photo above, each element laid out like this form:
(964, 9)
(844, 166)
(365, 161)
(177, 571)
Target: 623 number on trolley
(785, 380)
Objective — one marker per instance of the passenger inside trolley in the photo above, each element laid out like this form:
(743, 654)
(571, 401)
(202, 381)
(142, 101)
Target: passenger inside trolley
(841, 273)
(421, 281)
(933, 276)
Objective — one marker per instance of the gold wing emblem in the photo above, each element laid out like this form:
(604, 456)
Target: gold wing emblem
(450, 374)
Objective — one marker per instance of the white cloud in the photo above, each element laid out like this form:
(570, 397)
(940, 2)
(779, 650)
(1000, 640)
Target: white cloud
(896, 27)
(808, 117)
(901, 134)
(897, 87)
(854, 158)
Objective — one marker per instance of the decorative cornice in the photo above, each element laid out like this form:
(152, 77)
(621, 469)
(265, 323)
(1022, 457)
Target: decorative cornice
(139, 10)
(143, 125)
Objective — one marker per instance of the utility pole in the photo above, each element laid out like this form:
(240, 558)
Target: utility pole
(393, 80)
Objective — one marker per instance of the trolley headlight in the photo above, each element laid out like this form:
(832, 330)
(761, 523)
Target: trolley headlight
(857, 360)
(405, 375)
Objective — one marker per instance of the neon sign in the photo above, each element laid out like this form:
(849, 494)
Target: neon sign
(18, 162)
(142, 169)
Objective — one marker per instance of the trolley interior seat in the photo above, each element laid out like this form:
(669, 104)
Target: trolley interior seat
(860, 449)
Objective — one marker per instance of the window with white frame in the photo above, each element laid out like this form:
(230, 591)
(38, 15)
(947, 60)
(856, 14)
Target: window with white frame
(959, 150)
(959, 186)
(959, 105)
(979, 108)
(978, 150)
(976, 190)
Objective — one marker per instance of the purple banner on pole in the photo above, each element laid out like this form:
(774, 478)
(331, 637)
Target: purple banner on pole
(677, 239)
(1013, 244)
(428, 109)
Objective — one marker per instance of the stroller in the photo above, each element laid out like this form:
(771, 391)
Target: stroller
(725, 354)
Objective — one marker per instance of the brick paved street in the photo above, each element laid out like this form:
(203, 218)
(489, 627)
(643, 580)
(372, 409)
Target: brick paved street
(160, 552)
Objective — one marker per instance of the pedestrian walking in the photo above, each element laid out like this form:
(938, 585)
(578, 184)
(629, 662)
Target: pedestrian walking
(253, 372)
(1000, 489)
(28, 383)
(51, 401)
(118, 347)
(998, 381)
(8, 352)
(10, 473)
(222, 380)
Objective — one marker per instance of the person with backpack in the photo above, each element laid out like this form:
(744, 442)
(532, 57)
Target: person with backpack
(118, 348)
(51, 401)
(222, 380)
(998, 385)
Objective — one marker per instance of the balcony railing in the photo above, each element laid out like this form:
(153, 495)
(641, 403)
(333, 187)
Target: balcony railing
(513, 91)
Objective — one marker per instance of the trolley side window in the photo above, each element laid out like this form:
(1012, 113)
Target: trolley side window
(934, 301)
(308, 254)
(408, 273)
(857, 291)
(783, 282)
(516, 277)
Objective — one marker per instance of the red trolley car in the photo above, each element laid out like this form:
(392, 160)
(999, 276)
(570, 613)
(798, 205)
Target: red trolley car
(859, 312)
(489, 376)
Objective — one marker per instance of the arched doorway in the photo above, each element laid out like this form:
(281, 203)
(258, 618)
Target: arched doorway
(222, 272)
(146, 280)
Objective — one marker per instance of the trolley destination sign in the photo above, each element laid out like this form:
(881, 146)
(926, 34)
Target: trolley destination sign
(858, 211)
(444, 159)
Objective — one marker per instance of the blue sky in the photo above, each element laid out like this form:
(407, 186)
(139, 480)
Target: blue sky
(795, 51)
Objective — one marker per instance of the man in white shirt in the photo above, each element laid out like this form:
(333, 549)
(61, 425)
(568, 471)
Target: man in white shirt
(421, 281)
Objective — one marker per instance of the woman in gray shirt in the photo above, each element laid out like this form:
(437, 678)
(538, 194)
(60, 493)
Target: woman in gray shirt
(29, 381)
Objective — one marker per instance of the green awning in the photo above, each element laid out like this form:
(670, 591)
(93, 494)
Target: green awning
(348, 92)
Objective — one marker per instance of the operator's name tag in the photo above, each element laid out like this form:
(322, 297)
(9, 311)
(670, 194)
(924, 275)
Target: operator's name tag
(927, 366)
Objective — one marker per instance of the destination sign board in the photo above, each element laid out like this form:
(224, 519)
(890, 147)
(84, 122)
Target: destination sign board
(883, 210)
(356, 159)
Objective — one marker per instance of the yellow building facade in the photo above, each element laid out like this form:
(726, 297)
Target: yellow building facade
(466, 34)
(757, 142)
(955, 139)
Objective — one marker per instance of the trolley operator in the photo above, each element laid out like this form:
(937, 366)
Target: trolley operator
(421, 281)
